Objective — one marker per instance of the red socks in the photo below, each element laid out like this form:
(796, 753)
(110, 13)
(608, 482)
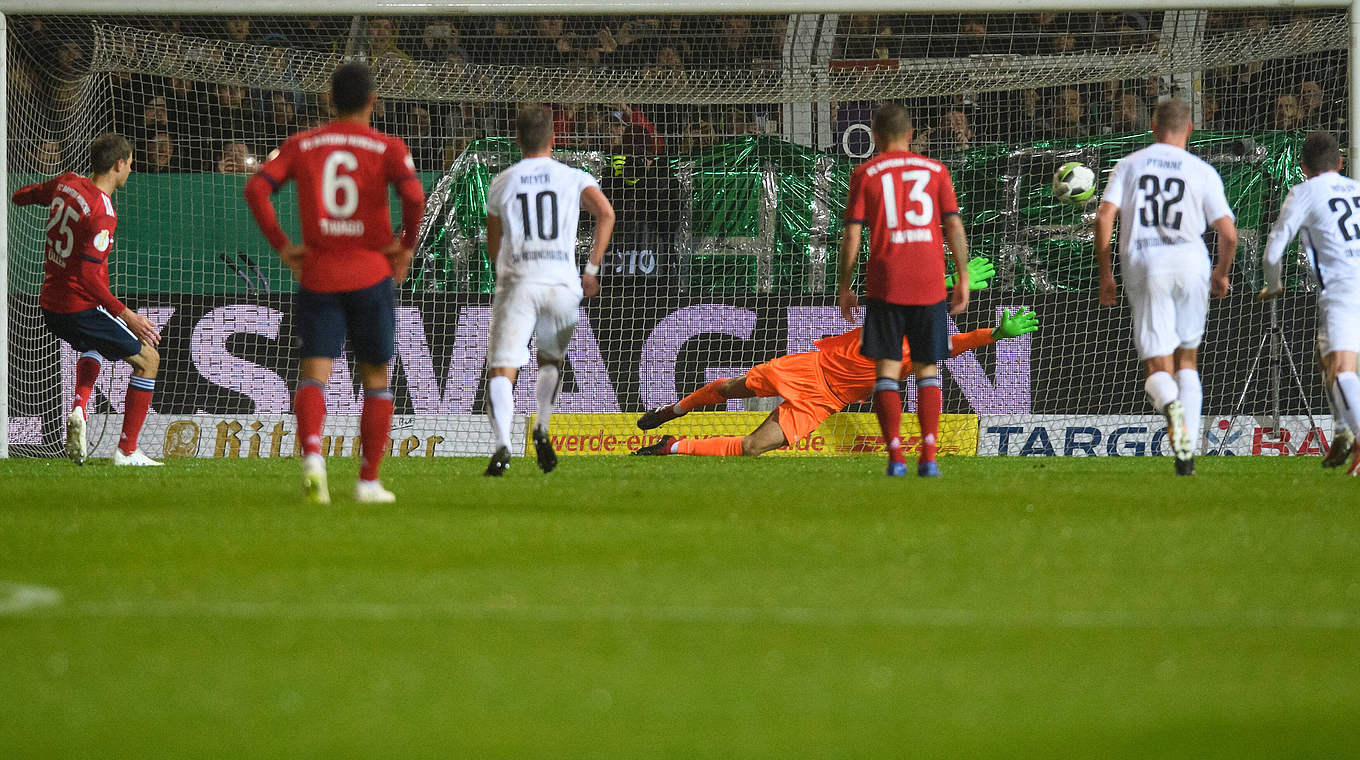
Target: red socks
(137, 404)
(309, 406)
(705, 396)
(722, 446)
(375, 425)
(888, 407)
(929, 399)
(87, 372)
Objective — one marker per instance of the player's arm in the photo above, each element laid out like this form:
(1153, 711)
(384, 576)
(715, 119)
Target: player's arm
(493, 238)
(258, 192)
(33, 195)
(1011, 325)
(1227, 250)
(958, 248)
(845, 275)
(1217, 209)
(92, 275)
(402, 174)
(593, 200)
(1281, 234)
(1104, 225)
(958, 243)
(850, 244)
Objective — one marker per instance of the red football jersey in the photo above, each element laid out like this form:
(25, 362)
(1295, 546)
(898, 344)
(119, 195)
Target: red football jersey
(80, 227)
(342, 172)
(902, 198)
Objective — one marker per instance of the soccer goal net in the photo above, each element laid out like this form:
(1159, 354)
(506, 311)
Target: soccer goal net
(725, 143)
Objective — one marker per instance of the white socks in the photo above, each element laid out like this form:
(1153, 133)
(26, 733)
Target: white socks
(548, 377)
(1337, 404)
(1192, 399)
(1161, 390)
(1347, 398)
(502, 395)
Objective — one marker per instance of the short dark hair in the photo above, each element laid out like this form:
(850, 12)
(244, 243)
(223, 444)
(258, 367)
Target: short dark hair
(891, 121)
(534, 128)
(351, 85)
(106, 150)
(1171, 115)
(1321, 152)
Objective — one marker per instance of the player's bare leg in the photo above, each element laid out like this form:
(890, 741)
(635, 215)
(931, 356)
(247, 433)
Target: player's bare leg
(1190, 394)
(1343, 438)
(547, 389)
(87, 372)
(500, 390)
(145, 364)
(767, 437)
(375, 425)
(716, 392)
(309, 406)
(1164, 395)
(1345, 384)
(888, 407)
(929, 403)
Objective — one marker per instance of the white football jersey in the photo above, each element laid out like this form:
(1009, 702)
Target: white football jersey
(1167, 198)
(539, 203)
(1325, 213)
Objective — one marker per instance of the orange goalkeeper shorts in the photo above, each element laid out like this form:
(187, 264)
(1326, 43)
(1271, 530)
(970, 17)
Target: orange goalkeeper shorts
(808, 401)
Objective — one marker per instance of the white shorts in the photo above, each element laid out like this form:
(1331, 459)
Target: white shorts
(1169, 309)
(548, 312)
(1339, 320)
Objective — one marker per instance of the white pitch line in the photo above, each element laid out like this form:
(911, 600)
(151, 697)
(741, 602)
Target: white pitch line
(896, 617)
(21, 597)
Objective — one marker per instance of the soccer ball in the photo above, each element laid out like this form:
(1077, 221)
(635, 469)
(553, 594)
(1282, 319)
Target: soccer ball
(1074, 183)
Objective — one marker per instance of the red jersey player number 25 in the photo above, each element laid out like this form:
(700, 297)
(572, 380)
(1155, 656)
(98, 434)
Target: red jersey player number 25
(902, 198)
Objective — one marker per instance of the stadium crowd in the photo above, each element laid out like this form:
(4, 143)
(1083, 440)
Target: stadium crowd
(184, 126)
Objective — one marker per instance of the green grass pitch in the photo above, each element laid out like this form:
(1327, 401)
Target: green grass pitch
(683, 608)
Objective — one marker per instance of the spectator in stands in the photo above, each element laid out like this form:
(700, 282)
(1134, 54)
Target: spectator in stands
(382, 40)
(324, 34)
(1313, 110)
(70, 58)
(551, 43)
(1208, 109)
(238, 30)
(158, 155)
(699, 135)
(48, 157)
(972, 39)
(955, 132)
(1287, 115)
(229, 120)
(236, 159)
(437, 40)
(427, 148)
(736, 48)
(155, 119)
(1067, 115)
(1130, 115)
(1062, 43)
(283, 121)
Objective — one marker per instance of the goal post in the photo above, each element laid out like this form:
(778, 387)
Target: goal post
(729, 164)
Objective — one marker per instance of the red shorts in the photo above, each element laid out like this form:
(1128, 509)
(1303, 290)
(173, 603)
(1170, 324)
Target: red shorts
(808, 401)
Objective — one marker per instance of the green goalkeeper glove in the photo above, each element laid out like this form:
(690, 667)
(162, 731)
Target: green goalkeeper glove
(980, 270)
(1016, 323)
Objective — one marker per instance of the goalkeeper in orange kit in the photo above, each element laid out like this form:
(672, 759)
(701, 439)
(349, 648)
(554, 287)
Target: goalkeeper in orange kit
(814, 386)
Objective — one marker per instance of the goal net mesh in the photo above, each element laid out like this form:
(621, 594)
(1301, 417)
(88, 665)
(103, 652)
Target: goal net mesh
(725, 143)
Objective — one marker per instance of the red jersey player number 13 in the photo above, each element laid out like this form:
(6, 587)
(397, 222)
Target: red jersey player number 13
(902, 198)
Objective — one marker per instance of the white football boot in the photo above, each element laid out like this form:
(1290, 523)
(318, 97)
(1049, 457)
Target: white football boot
(314, 489)
(75, 436)
(135, 459)
(372, 492)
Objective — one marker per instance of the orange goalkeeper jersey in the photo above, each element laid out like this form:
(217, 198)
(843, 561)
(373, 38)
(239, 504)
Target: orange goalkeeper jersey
(851, 376)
